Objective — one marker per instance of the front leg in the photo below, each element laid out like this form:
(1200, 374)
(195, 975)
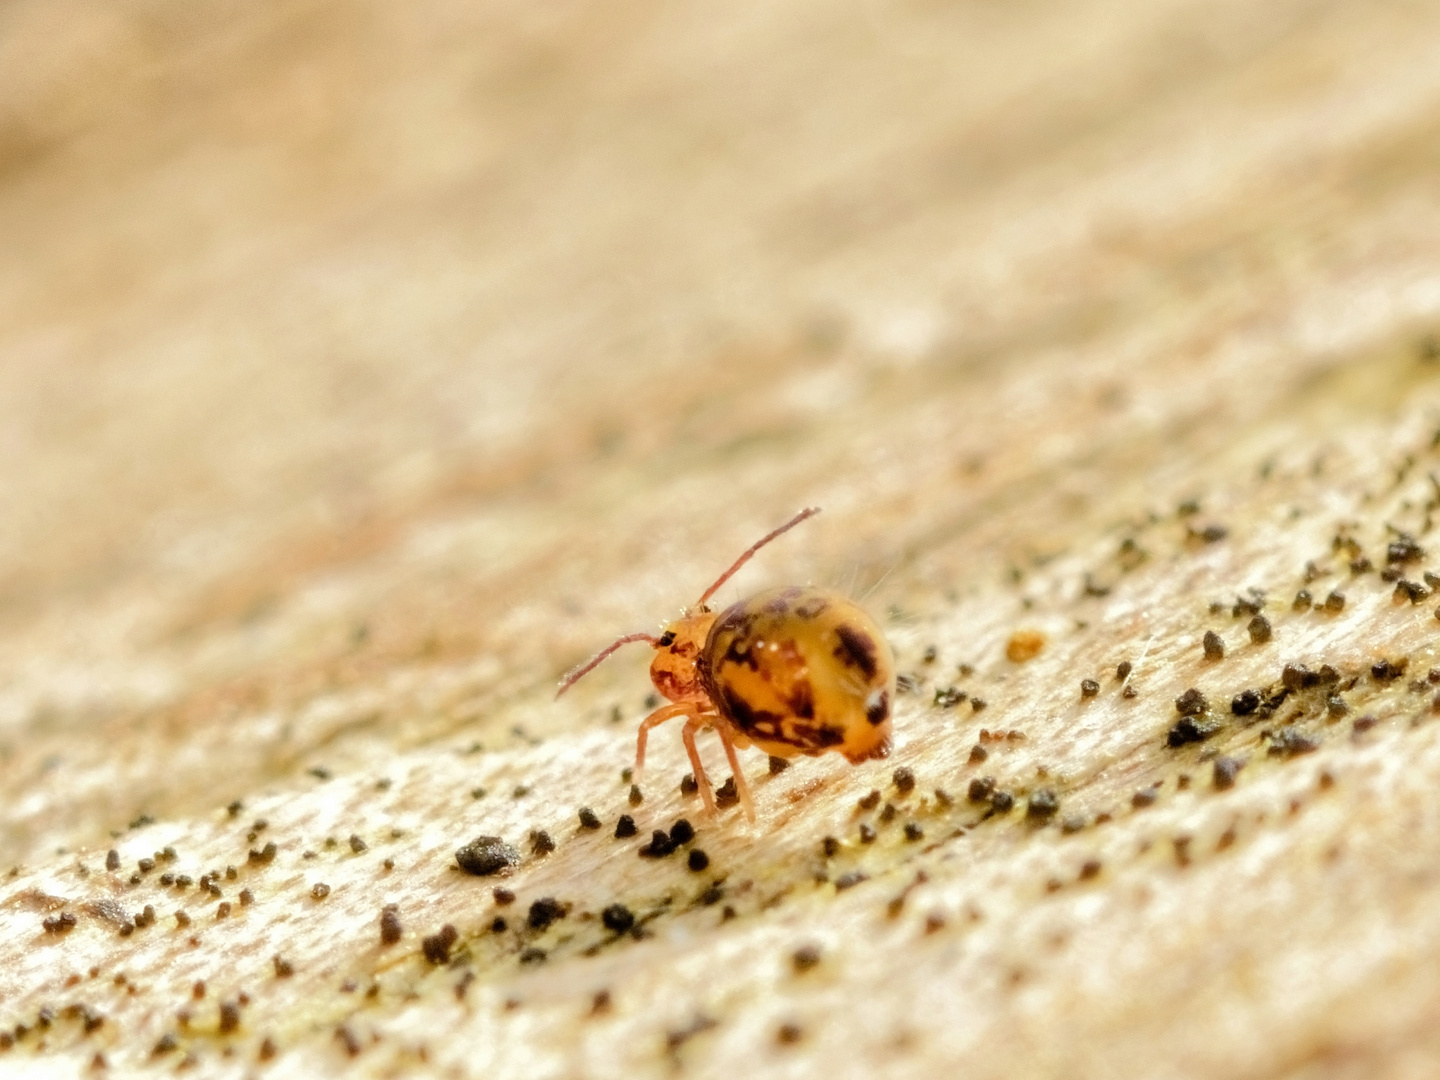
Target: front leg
(696, 722)
(742, 786)
(659, 716)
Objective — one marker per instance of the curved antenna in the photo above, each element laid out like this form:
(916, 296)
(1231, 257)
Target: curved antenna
(808, 512)
(575, 674)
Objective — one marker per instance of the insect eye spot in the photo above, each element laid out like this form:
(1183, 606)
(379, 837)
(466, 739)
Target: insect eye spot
(667, 639)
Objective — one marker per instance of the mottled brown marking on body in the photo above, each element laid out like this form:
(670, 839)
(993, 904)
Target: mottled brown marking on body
(856, 649)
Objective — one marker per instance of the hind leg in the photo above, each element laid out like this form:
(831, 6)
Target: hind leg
(741, 785)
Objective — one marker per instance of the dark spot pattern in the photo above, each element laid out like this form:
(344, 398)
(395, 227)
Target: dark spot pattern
(856, 649)
(878, 711)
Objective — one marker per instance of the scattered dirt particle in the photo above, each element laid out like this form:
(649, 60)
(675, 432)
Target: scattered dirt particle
(789, 1034)
(727, 794)
(682, 832)
(688, 786)
(390, 928)
(625, 827)
(867, 834)
(1043, 805)
(436, 947)
(1024, 645)
(1335, 602)
(914, 832)
(850, 880)
(1191, 703)
(545, 911)
(904, 780)
(1090, 869)
(486, 855)
(588, 819)
(1409, 591)
(59, 924)
(778, 765)
(1259, 628)
(320, 890)
(1403, 550)
(981, 788)
(540, 843)
(357, 845)
(978, 704)
(617, 918)
(805, 958)
(1214, 646)
(283, 968)
(347, 1040)
(1389, 670)
(870, 801)
(1290, 742)
(947, 697)
(636, 795)
(697, 860)
(978, 754)
(660, 845)
(229, 1016)
(502, 897)
(1226, 769)
(1245, 703)
(1303, 601)
(263, 857)
(1191, 729)
(830, 847)
(1123, 670)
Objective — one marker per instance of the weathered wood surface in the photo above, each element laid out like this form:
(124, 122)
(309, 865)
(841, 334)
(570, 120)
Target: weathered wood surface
(364, 368)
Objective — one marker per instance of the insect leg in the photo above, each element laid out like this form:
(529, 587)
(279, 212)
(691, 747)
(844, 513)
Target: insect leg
(659, 716)
(695, 723)
(741, 786)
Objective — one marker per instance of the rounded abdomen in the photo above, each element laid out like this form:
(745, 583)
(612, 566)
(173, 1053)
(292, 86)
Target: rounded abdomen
(802, 671)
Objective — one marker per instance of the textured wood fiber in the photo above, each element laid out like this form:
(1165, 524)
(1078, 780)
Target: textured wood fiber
(364, 367)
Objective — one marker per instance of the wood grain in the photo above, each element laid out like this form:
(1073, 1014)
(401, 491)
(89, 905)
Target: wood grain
(363, 367)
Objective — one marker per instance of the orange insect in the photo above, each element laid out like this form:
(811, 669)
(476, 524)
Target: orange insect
(793, 671)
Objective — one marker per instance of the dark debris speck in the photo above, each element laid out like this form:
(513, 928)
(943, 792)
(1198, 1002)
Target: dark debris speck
(487, 855)
(617, 918)
(1042, 806)
(904, 780)
(545, 911)
(1226, 770)
(436, 947)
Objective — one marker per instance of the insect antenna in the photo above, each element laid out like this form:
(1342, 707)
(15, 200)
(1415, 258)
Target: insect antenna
(808, 512)
(575, 674)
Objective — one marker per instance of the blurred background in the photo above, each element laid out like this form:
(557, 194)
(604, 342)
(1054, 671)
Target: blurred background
(336, 328)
